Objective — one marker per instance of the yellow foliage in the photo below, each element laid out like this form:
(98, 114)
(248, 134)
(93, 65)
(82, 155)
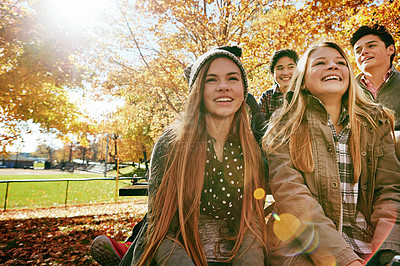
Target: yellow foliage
(173, 34)
(35, 70)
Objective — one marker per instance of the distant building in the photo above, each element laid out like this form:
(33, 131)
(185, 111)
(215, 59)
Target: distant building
(20, 160)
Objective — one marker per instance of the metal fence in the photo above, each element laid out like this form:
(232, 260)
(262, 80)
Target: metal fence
(67, 180)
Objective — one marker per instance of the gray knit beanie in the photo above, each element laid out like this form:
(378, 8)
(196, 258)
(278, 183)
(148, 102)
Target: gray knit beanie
(233, 52)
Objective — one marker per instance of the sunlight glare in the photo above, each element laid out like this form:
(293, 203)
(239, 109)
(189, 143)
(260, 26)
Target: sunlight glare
(79, 12)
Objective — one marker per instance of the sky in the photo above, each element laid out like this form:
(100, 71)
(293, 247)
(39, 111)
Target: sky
(30, 141)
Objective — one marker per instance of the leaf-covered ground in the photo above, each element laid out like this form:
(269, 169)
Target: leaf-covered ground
(62, 236)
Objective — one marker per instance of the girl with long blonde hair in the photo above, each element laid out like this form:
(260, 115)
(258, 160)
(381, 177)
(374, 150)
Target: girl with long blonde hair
(204, 171)
(333, 169)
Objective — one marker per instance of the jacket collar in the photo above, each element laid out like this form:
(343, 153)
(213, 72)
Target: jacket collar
(313, 104)
(316, 106)
(275, 89)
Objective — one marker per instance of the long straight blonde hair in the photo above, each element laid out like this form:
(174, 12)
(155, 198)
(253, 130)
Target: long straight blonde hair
(180, 189)
(289, 124)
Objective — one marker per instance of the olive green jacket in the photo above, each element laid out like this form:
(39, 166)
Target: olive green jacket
(388, 94)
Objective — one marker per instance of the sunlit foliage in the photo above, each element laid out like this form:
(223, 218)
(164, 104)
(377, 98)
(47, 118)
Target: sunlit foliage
(160, 38)
(38, 64)
(137, 53)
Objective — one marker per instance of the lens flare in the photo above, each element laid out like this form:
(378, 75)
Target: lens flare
(259, 193)
(286, 227)
(297, 236)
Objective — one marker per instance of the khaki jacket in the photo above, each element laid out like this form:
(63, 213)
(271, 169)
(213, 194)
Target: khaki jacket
(313, 200)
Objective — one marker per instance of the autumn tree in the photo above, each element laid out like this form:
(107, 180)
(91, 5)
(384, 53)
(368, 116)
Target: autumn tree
(158, 39)
(44, 151)
(39, 65)
(286, 25)
(153, 85)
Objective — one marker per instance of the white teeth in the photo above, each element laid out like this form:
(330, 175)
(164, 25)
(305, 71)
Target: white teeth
(223, 100)
(331, 78)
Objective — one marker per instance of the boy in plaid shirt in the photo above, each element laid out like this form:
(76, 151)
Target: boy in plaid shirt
(282, 66)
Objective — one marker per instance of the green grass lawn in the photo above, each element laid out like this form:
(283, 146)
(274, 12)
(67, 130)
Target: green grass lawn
(48, 194)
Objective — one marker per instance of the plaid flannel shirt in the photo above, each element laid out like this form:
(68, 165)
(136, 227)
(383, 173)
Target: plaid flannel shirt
(270, 101)
(354, 223)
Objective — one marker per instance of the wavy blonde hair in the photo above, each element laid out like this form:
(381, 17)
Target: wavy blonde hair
(180, 189)
(289, 123)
